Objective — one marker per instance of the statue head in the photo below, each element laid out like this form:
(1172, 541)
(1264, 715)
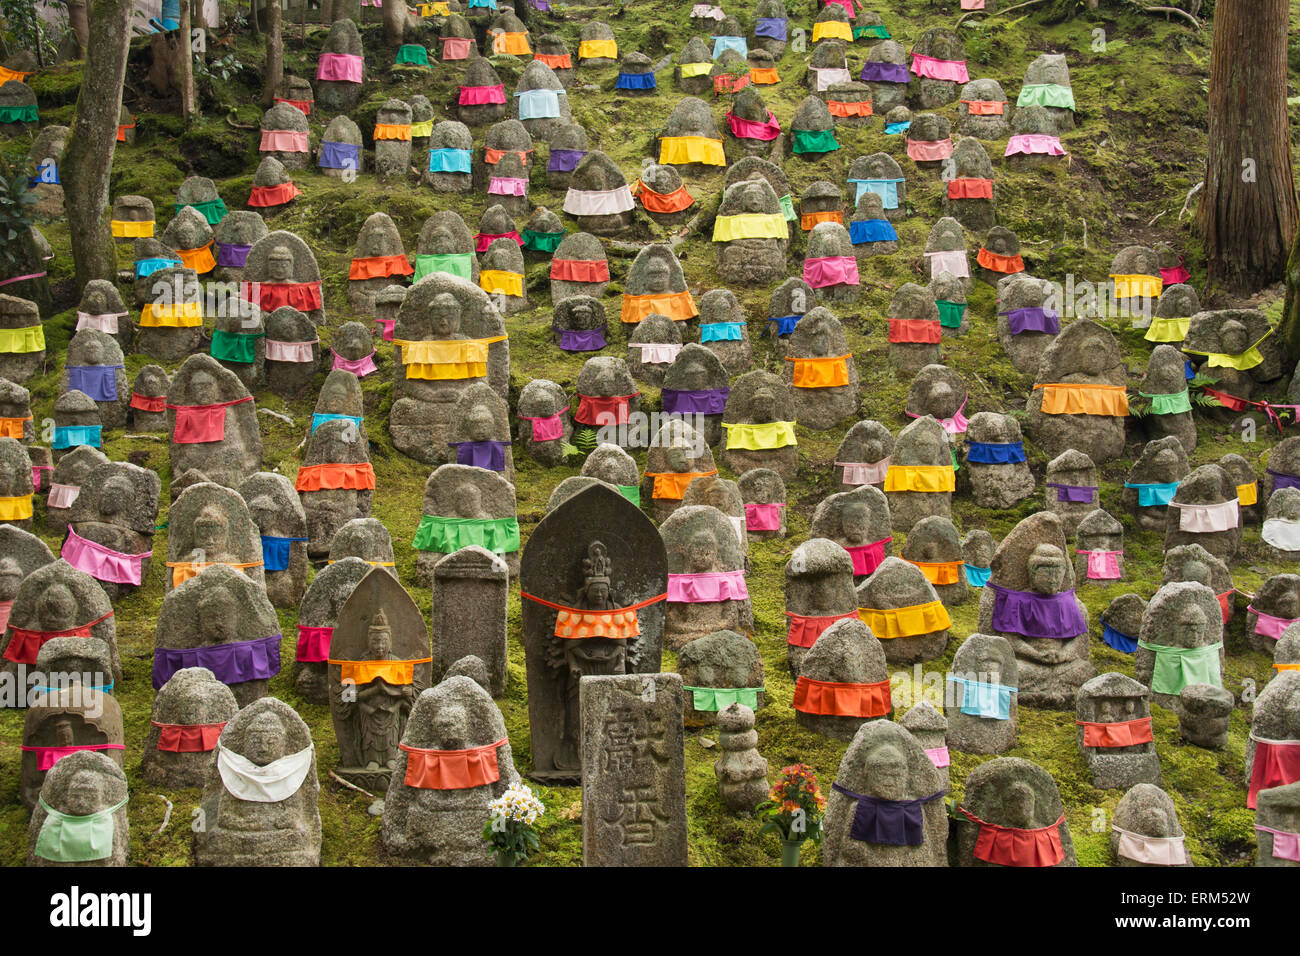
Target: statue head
(95, 302)
(1047, 569)
(219, 616)
(855, 523)
(279, 264)
(701, 552)
(1233, 337)
(56, 608)
(887, 778)
(990, 666)
(204, 388)
(1191, 624)
(1198, 571)
(212, 530)
(1018, 805)
(450, 726)
(85, 794)
(468, 501)
(116, 495)
(11, 575)
(480, 423)
(93, 351)
(379, 637)
(264, 739)
(263, 510)
(444, 315)
(762, 405)
(596, 568)
(658, 276)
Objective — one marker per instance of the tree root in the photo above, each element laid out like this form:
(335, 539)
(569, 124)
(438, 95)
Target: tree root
(351, 786)
(971, 13)
(1167, 10)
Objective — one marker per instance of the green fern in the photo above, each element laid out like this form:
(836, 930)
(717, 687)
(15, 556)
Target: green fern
(16, 200)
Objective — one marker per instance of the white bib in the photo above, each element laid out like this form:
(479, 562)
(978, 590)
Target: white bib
(278, 780)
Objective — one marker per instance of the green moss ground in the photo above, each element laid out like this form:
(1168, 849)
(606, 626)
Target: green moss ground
(1138, 149)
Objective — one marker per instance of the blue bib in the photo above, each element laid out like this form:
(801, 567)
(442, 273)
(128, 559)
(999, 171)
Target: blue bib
(275, 552)
(994, 453)
(785, 324)
(1121, 642)
(1154, 494)
(721, 331)
(70, 436)
(320, 418)
(449, 160)
(871, 230)
(886, 189)
(985, 700)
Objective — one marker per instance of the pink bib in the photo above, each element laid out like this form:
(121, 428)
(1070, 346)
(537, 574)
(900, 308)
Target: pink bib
(1102, 565)
(763, 517)
(707, 587)
(864, 473)
(547, 429)
(360, 367)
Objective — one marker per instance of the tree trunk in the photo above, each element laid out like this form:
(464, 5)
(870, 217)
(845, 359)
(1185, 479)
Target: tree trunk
(1248, 211)
(1289, 328)
(80, 23)
(185, 75)
(394, 21)
(88, 159)
(274, 67)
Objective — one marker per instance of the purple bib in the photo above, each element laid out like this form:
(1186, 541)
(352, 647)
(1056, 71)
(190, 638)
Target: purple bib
(1036, 615)
(707, 401)
(1036, 319)
(232, 255)
(1283, 481)
(1077, 494)
(564, 160)
(481, 454)
(97, 381)
(582, 340)
(230, 663)
(873, 72)
(888, 822)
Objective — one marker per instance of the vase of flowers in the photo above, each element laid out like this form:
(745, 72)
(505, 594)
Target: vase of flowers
(509, 827)
(793, 810)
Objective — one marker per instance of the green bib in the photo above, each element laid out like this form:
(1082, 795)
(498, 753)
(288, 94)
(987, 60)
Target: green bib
(1170, 404)
(234, 346)
(815, 141)
(458, 264)
(212, 210)
(445, 535)
(1047, 94)
(68, 839)
(542, 241)
(719, 698)
(1176, 667)
(950, 314)
(18, 114)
